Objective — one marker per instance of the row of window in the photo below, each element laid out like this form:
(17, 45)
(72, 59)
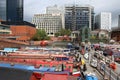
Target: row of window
(77, 17)
(77, 13)
(48, 23)
(55, 66)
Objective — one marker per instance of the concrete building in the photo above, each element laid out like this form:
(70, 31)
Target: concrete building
(11, 10)
(119, 21)
(79, 16)
(103, 21)
(56, 10)
(51, 23)
(53, 10)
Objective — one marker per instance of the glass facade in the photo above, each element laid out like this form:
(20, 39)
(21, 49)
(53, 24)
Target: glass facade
(3, 9)
(77, 17)
(11, 10)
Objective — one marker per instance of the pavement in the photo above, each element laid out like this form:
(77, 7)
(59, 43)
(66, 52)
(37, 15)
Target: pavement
(91, 69)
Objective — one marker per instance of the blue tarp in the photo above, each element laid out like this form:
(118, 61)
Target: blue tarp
(10, 49)
(91, 78)
(69, 45)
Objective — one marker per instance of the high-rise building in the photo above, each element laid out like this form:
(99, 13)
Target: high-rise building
(119, 21)
(53, 10)
(11, 10)
(56, 10)
(51, 23)
(103, 21)
(79, 16)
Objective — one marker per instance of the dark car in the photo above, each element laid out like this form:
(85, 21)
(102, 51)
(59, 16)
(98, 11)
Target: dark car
(107, 52)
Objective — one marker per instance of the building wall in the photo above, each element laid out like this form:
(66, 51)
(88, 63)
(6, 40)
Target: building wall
(24, 32)
(79, 16)
(104, 21)
(56, 10)
(53, 10)
(4, 30)
(51, 23)
(115, 35)
(10, 43)
(97, 22)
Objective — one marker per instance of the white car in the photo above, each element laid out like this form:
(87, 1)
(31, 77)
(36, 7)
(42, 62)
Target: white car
(93, 63)
(86, 55)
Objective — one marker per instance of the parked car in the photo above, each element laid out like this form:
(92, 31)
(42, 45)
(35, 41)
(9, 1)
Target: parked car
(93, 63)
(107, 52)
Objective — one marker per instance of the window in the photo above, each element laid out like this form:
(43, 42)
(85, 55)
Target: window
(86, 33)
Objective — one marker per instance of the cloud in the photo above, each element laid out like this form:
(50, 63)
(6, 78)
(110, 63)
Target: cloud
(32, 7)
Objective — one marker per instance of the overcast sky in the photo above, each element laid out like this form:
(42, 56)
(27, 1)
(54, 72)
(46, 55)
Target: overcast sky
(32, 7)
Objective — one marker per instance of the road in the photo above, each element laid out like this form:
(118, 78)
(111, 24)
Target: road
(91, 69)
(118, 68)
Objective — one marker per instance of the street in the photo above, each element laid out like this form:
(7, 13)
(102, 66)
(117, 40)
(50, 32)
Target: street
(91, 69)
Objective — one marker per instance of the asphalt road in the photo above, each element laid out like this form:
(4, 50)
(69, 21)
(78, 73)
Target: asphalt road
(90, 69)
(118, 68)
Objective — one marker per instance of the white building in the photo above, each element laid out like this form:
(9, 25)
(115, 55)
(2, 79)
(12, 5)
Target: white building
(53, 10)
(56, 10)
(103, 21)
(51, 23)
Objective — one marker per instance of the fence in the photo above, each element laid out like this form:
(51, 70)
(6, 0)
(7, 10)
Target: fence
(107, 72)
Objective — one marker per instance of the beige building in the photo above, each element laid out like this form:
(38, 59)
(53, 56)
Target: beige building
(100, 34)
(51, 23)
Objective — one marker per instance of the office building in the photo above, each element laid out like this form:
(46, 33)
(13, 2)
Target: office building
(53, 10)
(51, 23)
(103, 21)
(11, 10)
(56, 10)
(79, 16)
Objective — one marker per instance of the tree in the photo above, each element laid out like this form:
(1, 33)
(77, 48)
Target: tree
(93, 37)
(63, 32)
(40, 35)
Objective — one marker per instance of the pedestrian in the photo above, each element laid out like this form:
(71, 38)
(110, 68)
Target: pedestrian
(84, 67)
(82, 75)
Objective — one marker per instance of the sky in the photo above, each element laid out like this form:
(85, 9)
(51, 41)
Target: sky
(32, 7)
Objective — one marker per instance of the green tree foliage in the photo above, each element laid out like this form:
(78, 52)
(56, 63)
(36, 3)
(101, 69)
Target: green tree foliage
(93, 37)
(40, 35)
(63, 32)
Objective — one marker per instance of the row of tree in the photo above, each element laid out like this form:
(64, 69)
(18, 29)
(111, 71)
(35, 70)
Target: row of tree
(42, 35)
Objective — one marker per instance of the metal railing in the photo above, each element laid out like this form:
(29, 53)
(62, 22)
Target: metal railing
(107, 72)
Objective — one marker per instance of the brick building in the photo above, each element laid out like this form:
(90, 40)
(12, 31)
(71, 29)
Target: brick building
(23, 32)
